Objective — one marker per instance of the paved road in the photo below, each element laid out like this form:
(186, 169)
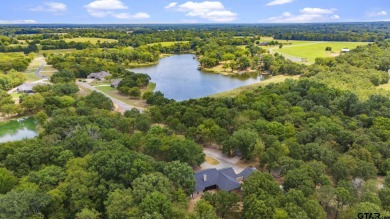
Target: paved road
(38, 71)
(224, 161)
(119, 105)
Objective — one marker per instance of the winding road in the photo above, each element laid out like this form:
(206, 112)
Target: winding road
(119, 105)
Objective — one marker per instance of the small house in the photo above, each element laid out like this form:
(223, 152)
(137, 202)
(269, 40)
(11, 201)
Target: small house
(115, 83)
(224, 179)
(263, 44)
(28, 88)
(101, 76)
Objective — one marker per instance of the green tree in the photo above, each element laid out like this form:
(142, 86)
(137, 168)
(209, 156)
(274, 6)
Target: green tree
(299, 179)
(248, 140)
(134, 92)
(156, 202)
(63, 76)
(230, 146)
(384, 195)
(23, 204)
(99, 101)
(88, 214)
(224, 202)
(7, 181)
(9, 109)
(120, 205)
(154, 182)
(48, 177)
(33, 102)
(254, 208)
(204, 210)
(41, 117)
(181, 174)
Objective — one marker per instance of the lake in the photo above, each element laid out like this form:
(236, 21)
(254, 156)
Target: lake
(18, 130)
(178, 78)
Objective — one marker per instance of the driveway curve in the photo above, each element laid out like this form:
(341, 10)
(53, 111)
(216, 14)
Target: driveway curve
(119, 105)
(224, 161)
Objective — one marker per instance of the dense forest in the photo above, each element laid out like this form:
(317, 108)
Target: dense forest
(17, 38)
(321, 143)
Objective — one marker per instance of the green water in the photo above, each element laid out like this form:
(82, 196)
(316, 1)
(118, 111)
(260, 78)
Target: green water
(18, 130)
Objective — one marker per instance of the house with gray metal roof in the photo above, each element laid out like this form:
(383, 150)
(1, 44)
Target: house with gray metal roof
(224, 179)
(100, 75)
(28, 88)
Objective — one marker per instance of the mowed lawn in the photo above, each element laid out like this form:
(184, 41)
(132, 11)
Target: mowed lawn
(56, 51)
(292, 42)
(313, 50)
(168, 43)
(90, 39)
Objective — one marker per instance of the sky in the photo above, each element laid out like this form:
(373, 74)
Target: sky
(184, 11)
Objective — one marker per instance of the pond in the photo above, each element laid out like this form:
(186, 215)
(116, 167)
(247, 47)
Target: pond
(178, 78)
(18, 130)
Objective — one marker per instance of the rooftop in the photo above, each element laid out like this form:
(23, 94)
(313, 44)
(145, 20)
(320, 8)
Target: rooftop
(225, 179)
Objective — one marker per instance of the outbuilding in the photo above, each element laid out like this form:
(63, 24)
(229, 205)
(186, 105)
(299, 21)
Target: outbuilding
(115, 83)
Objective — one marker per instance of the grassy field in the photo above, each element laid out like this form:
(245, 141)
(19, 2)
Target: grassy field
(385, 86)
(105, 89)
(115, 94)
(168, 43)
(252, 87)
(90, 39)
(56, 51)
(15, 95)
(31, 77)
(30, 72)
(313, 50)
(228, 71)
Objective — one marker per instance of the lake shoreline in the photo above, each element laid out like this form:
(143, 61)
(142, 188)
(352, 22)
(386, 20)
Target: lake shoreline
(179, 78)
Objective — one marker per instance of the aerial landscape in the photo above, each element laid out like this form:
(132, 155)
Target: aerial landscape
(116, 109)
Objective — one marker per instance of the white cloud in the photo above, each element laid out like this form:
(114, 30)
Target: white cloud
(104, 5)
(212, 11)
(306, 15)
(171, 5)
(105, 8)
(279, 2)
(52, 7)
(377, 14)
(140, 15)
(317, 11)
(335, 17)
(18, 22)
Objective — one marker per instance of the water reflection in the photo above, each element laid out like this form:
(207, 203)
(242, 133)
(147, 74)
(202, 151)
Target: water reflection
(178, 78)
(17, 130)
